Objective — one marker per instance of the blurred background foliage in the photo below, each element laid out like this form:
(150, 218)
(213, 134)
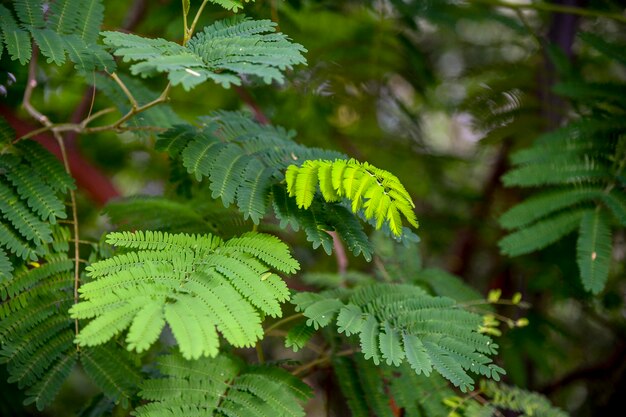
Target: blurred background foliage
(438, 92)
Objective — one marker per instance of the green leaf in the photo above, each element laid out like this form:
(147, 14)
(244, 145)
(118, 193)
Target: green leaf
(350, 320)
(90, 15)
(221, 385)
(369, 339)
(298, 336)
(5, 265)
(146, 327)
(42, 393)
(541, 234)
(50, 45)
(390, 346)
(222, 52)
(197, 284)
(30, 12)
(381, 194)
(416, 354)
(63, 16)
(594, 250)
(16, 39)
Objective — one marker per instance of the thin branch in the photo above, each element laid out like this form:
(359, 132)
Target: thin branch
(319, 361)
(30, 85)
(554, 8)
(259, 353)
(340, 253)
(125, 89)
(189, 32)
(96, 115)
(283, 321)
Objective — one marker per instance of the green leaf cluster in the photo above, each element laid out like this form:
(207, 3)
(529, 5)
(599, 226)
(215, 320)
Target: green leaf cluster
(32, 189)
(397, 323)
(504, 397)
(222, 52)
(221, 386)
(377, 192)
(579, 168)
(195, 284)
(244, 163)
(68, 28)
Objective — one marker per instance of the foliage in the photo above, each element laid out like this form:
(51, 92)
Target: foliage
(222, 52)
(118, 310)
(582, 164)
(69, 27)
(398, 322)
(194, 284)
(221, 386)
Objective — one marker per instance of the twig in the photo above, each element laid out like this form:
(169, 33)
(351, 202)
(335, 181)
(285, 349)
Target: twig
(189, 32)
(283, 321)
(30, 85)
(340, 253)
(555, 8)
(125, 89)
(321, 360)
(259, 353)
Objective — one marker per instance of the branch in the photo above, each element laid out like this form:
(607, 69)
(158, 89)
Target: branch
(554, 8)
(30, 85)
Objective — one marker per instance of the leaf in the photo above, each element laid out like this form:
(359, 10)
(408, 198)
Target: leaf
(379, 192)
(222, 52)
(146, 327)
(90, 15)
(46, 389)
(594, 250)
(16, 39)
(416, 354)
(298, 336)
(369, 339)
(390, 346)
(50, 45)
(197, 284)
(540, 234)
(222, 385)
(30, 12)
(350, 320)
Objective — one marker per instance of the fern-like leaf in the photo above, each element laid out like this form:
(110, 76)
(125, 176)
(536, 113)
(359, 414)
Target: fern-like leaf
(30, 12)
(221, 385)
(519, 400)
(398, 322)
(194, 283)
(378, 192)
(16, 39)
(222, 52)
(541, 234)
(594, 250)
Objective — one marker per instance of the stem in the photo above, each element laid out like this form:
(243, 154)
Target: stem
(125, 89)
(521, 304)
(259, 353)
(283, 321)
(185, 27)
(189, 32)
(555, 8)
(30, 85)
(321, 360)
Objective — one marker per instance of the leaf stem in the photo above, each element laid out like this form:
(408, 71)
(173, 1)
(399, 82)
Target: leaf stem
(283, 321)
(259, 353)
(30, 85)
(555, 8)
(125, 89)
(319, 361)
(189, 32)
